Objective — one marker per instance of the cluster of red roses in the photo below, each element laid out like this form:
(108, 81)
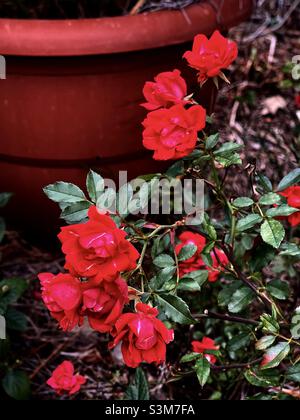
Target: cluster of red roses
(97, 252)
(173, 123)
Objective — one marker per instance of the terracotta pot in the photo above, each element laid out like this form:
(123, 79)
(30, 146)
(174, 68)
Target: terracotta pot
(72, 94)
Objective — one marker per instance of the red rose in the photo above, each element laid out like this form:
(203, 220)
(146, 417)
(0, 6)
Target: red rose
(168, 89)
(195, 262)
(292, 194)
(64, 380)
(62, 296)
(204, 345)
(97, 248)
(143, 336)
(220, 261)
(297, 101)
(210, 56)
(172, 133)
(103, 304)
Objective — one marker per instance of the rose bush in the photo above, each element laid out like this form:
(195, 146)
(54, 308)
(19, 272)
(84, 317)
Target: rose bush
(230, 275)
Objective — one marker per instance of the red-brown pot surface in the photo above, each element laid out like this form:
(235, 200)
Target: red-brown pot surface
(72, 94)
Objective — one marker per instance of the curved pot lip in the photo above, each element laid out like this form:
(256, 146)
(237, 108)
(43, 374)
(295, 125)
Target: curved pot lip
(80, 37)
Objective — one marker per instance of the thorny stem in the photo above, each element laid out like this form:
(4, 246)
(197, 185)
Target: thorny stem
(238, 365)
(290, 340)
(219, 368)
(224, 317)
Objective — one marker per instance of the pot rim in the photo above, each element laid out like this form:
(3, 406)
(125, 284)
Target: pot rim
(81, 37)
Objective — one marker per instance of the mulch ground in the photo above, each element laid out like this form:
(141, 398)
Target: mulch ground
(261, 79)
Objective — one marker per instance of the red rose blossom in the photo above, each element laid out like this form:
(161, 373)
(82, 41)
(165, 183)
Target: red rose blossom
(143, 336)
(103, 303)
(97, 248)
(204, 345)
(210, 56)
(172, 133)
(297, 101)
(292, 194)
(62, 296)
(168, 89)
(64, 380)
(195, 262)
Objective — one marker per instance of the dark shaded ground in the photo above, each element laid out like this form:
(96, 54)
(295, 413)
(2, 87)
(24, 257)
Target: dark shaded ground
(271, 141)
(73, 9)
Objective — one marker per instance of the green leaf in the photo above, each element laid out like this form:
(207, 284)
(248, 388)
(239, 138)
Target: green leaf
(16, 384)
(290, 250)
(293, 373)
(226, 293)
(269, 324)
(196, 154)
(200, 276)
(162, 277)
(107, 200)
(10, 291)
(202, 368)
(238, 342)
(242, 202)
(279, 289)
(190, 357)
(210, 230)
(139, 389)
(15, 320)
(276, 355)
(265, 342)
(270, 199)
(291, 179)
(192, 282)
(240, 300)
(64, 192)
(94, 185)
(248, 222)
(262, 379)
(272, 232)
(76, 213)
(176, 169)
(187, 252)
(212, 141)
(227, 161)
(175, 309)
(264, 182)
(4, 198)
(283, 210)
(163, 261)
(188, 285)
(227, 149)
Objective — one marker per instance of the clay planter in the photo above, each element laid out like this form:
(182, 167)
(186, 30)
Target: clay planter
(72, 94)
